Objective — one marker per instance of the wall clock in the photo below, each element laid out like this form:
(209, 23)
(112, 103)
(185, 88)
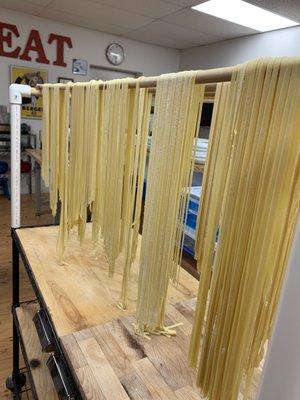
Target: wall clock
(115, 54)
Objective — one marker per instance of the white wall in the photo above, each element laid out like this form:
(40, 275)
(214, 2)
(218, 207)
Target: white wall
(281, 374)
(87, 44)
(284, 42)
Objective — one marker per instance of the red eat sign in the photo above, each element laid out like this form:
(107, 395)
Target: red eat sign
(33, 44)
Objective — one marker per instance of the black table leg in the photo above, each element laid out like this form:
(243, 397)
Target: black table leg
(16, 380)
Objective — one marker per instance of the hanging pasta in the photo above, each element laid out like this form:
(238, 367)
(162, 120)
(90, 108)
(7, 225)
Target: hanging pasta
(94, 152)
(213, 186)
(63, 187)
(46, 133)
(55, 123)
(121, 161)
(77, 192)
(240, 283)
(177, 104)
(136, 184)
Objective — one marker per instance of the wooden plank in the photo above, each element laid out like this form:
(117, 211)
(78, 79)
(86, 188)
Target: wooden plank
(186, 310)
(147, 369)
(135, 387)
(113, 348)
(182, 339)
(101, 370)
(166, 356)
(173, 316)
(90, 388)
(36, 154)
(187, 393)
(79, 294)
(153, 381)
(126, 340)
(41, 376)
(73, 352)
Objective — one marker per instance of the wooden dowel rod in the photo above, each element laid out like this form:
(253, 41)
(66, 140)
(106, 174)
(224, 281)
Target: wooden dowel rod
(203, 76)
(36, 92)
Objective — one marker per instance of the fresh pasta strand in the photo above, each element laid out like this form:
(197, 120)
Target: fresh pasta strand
(141, 168)
(63, 188)
(46, 133)
(94, 156)
(177, 104)
(55, 121)
(118, 129)
(69, 164)
(213, 185)
(94, 152)
(240, 283)
(137, 183)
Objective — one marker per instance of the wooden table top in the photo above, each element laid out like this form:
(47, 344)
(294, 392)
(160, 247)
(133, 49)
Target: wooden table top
(79, 294)
(110, 362)
(36, 154)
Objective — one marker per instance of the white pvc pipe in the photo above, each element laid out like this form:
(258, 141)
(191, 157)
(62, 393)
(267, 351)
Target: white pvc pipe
(281, 373)
(15, 160)
(15, 99)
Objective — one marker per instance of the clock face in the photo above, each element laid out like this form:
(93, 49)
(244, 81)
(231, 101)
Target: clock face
(115, 54)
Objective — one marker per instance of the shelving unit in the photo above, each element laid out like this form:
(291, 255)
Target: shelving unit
(35, 359)
(25, 335)
(5, 145)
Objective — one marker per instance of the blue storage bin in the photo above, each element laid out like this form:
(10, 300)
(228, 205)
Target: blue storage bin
(191, 220)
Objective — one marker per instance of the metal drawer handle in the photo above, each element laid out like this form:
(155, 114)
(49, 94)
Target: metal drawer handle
(44, 331)
(60, 375)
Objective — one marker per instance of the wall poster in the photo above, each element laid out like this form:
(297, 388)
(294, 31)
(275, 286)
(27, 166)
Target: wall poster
(32, 107)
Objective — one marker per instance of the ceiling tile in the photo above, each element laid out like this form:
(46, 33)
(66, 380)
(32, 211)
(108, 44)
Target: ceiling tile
(153, 8)
(185, 3)
(286, 8)
(156, 38)
(175, 32)
(105, 14)
(90, 23)
(170, 23)
(38, 2)
(192, 19)
(22, 6)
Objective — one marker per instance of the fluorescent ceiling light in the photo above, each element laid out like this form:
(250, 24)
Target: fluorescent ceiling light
(243, 13)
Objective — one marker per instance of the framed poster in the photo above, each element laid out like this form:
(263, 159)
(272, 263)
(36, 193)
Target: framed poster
(32, 107)
(60, 79)
(80, 67)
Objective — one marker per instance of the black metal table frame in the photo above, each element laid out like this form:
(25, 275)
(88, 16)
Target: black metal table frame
(17, 379)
